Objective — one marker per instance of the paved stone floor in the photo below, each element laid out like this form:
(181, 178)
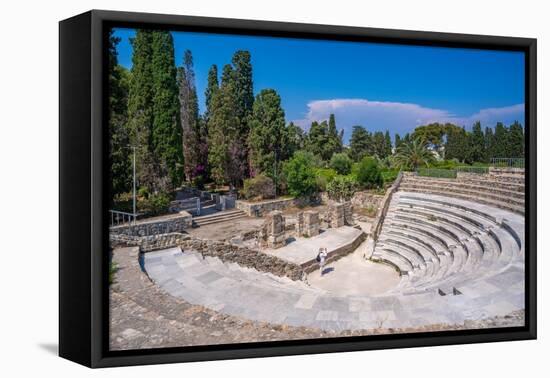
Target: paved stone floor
(356, 276)
(226, 230)
(303, 250)
(257, 296)
(143, 316)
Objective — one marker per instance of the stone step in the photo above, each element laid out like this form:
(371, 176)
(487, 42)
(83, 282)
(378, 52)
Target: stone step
(491, 202)
(464, 191)
(217, 218)
(491, 187)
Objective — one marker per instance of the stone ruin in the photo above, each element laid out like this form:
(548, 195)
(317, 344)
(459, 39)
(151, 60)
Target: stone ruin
(311, 223)
(337, 215)
(272, 233)
(308, 223)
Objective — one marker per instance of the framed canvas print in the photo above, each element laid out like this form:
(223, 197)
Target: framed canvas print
(233, 188)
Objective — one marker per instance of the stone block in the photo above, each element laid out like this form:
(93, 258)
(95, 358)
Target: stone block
(337, 215)
(311, 223)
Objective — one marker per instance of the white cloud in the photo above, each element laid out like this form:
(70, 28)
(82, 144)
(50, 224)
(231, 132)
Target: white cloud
(397, 116)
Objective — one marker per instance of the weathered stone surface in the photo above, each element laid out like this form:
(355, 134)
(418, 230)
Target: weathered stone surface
(336, 215)
(154, 226)
(299, 226)
(311, 223)
(275, 224)
(260, 209)
(244, 256)
(348, 214)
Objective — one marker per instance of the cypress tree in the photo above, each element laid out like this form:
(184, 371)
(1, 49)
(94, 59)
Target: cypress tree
(294, 140)
(244, 98)
(317, 139)
(140, 109)
(387, 144)
(166, 135)
(378, 142)
(334, 144)
(119, 151)
(211, 89)
(476, 145)
(501, 141)
(189, 115)
(226, 152)
(516, 141)
(489, 143)
(267, 134)
(359, 143)
(397, 140)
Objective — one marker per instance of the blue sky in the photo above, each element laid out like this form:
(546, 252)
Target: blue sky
(378, 86)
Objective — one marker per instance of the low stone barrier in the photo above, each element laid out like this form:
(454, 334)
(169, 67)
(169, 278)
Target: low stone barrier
(245, 256)
(366, 199)
(382, 211)
(148, 243)
(155, 226)
(260, 209)
(335, 254)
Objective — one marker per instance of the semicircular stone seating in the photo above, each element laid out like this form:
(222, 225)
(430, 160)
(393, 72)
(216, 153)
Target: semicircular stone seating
(457, 245)
(456, 237)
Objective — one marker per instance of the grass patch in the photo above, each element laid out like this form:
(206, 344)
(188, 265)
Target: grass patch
(438, 173)
(113, 268)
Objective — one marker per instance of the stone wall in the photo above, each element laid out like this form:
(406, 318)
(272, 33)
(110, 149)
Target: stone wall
(148, 243)
(382, 211)
(336, 254)
(260, 209)
(366, 199)
(245, 256)
(155, 226)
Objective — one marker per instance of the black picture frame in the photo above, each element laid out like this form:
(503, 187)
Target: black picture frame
(83, 289)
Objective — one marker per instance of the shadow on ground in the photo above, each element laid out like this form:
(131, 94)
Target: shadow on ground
(51, 348)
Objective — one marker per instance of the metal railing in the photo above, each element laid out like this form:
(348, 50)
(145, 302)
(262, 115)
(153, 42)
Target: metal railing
(119, 218)
(508, 162)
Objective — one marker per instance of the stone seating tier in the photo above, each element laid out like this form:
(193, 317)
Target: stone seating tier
(446, 246)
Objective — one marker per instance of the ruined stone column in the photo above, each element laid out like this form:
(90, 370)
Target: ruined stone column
(311, 223)
(348, 218)
(275, 229)
(299, 223)
(337, 215)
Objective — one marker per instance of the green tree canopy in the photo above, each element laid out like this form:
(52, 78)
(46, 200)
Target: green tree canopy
(300, 175)
(360, 143)
(267, 134)
(413, 154)
(341, 163)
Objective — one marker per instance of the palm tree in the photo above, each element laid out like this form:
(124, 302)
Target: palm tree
(413, 154)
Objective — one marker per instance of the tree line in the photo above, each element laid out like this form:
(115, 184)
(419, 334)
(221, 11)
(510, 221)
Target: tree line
(154, 109)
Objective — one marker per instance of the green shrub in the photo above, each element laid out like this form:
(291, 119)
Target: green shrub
(260, 187)
(389, 176)
(341, 163)
(342, 188)
(300, 174)
(155, 204)
(143, 192)
(113, 268)
(323, 176)
(368, 173)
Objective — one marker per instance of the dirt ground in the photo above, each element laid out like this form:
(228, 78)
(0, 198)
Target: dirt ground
(226, 230)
